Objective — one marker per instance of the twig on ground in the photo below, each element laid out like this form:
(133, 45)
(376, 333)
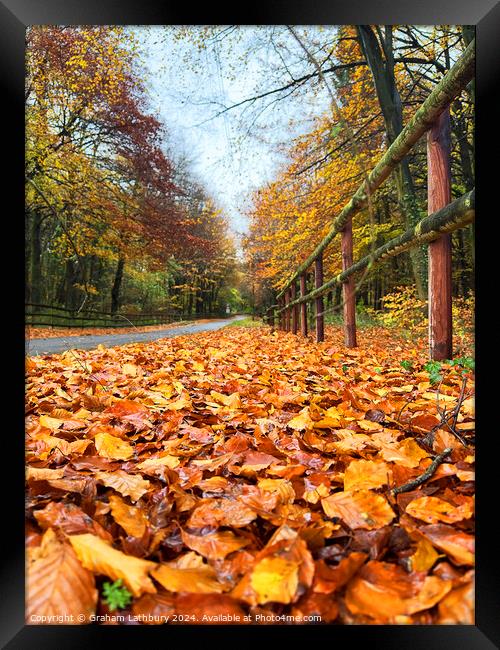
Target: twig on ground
(423, 477)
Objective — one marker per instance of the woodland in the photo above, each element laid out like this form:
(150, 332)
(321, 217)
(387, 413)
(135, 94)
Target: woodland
(260, 473)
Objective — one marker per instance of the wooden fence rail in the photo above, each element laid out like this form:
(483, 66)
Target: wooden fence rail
(39, 315)
(444, 217)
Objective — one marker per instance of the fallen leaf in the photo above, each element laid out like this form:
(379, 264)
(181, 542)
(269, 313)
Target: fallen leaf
(113, 447)
(58, 585)
(131, 518)
(363, 509)
(214, 546)
(100, 557)
(129, 485)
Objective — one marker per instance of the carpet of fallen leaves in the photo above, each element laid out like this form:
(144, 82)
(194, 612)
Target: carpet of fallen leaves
(247, 476)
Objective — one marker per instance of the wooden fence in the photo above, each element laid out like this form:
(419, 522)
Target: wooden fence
(38, 315)
(444, 217)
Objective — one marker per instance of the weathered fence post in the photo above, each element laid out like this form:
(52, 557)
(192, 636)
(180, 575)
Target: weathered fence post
(281, 317)
(295, 308)
(287, 311)
(348, 288)
(303, 306)
(318, 282)
(439, 195)
(270, 316)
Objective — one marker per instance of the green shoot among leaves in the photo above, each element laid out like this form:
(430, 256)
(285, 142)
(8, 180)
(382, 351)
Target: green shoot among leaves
(434, 370)
(116, 596)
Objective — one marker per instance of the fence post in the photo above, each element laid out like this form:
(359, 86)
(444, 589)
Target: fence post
(270, 316)
(348, 288)
(303, 306)
(295, 308)
(318, 282)
(439, 195)
(281, 315)
(287, 310)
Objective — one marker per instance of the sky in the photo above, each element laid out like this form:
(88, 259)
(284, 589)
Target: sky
(235, 153)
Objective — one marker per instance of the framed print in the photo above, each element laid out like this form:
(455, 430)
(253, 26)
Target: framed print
(251, 302)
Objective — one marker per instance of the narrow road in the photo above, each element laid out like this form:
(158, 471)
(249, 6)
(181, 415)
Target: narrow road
(36, 347)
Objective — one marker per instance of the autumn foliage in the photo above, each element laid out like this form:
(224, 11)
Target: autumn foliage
(244, 475)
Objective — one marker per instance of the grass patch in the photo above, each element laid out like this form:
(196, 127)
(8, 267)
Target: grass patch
(247, 322)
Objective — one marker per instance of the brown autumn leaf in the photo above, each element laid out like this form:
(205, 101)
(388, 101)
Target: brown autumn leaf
(210, 609)
(221, 512)
(58, 585)
(363, 509)
(100, 557)
(69, 518)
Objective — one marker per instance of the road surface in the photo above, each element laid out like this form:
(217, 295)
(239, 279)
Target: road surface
(36, 347)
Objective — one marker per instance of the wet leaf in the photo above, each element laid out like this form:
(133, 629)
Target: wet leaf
(214, 546)
(363, 509)
(100, 557)
(58, 585)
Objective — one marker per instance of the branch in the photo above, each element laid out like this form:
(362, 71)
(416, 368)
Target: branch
(423, 477)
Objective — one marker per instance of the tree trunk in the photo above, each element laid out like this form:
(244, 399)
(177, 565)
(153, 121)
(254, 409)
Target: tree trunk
(392, 111)
(115, 291)
(35, 258)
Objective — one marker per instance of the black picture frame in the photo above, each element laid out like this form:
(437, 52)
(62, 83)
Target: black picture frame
(15, 15)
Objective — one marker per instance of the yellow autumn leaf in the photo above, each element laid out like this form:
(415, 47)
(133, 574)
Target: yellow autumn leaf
(112, 447)
(232, 401)
(275, 579)
(189, 574)
(160, 461)
(130, 369)
(100, 557)
(301, 421)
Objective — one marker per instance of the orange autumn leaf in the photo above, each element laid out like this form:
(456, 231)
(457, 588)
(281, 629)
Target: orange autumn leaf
(329, 579)
(365, 475)
(363, 509)
(459, 546)
(433, 510)
(407, 453)
(214, 546)
(384, 591)
(457, 608)
(131, 518)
